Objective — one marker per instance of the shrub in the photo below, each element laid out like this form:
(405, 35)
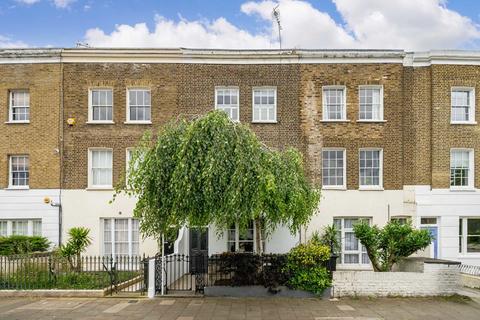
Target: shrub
(306, 267)
(23, 244)
(244, 268)
(389, 245)
(78, 243)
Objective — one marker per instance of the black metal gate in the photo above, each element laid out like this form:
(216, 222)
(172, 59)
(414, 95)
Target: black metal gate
(181, 273)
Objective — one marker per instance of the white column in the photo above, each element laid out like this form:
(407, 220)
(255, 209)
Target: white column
(151, 278)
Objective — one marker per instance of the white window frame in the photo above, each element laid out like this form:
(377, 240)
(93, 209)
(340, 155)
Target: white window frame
(90, 106)
(471, 169)
(344, 185)
(237, 239)
(471, 119)
(464, 235)
(380, 179)
(10, 106)
(324, 104)
(10, 173)
(381, 114)
(131, 241)
(254, 89)
(359, 252)
(127, 117)
(30, 228)
(238, 99)
(90, 168)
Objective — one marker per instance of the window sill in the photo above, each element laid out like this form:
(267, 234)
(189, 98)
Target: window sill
(467, 255)
(371, 121)
(333, 121)
(109, 188)
(267, 122)
(17, 122)
(464, 122)
(366, 188)
(17, 188)
(334, 188)
(138, 122)
(100, 122)
(466, 189)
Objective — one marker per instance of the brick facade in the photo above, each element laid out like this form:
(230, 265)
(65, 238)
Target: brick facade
(40, 138)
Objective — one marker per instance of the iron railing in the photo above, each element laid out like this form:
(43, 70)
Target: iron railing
(108, 273)
(471, 270)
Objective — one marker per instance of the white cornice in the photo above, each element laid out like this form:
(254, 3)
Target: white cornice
(210, 56)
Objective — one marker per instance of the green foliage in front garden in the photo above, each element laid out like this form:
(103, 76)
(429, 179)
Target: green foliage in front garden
(17, 244)
(77, 243)
(389, 245)
(215, 171)
(306, 267)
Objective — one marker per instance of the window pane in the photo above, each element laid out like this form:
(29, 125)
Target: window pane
(3, 228)
(37, 227)
(473, 243)
(19, 105)
(20, 227)
(101, 167)
(102, 105)
(461, 105)
(459, 168)
(428, 220)
(227, 100)
(333, 167)
(473, 227)
(19, 171)
(369, 167)
(139, 105)
(334, 104)
(264, 104)
(370, 104)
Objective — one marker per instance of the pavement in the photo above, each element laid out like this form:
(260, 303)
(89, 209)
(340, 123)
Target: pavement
(456, 307)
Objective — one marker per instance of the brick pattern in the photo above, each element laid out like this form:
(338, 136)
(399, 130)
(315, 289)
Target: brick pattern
(445, 135)
(353, 135)
(177, 90)
(39, 138)
(436, 279)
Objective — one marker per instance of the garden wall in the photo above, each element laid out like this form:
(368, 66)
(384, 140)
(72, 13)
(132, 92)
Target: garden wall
(437, 278)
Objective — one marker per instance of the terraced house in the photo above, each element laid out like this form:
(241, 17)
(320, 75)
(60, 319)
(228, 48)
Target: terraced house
(385, 134)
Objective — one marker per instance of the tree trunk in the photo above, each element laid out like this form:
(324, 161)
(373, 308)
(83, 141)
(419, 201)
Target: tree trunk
(259, 236)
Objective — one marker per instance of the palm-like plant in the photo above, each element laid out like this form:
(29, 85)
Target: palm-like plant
(78, 243)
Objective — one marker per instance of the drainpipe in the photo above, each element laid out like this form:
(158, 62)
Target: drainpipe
(61, 145)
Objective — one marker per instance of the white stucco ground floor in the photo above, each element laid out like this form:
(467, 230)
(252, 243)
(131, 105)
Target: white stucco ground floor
(30, 212)
(453, 217)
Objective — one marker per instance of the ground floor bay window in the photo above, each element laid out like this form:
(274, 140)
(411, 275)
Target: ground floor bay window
(120, 237)
(469, 235)
(352, 251)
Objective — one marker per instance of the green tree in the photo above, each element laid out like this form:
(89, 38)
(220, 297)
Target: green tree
(215, 171)
(78, 243)
(389, 245)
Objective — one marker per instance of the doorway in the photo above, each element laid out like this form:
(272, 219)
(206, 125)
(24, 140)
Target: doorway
(198, 250)
(431, 224)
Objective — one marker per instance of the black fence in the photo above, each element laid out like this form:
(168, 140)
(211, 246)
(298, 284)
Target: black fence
(111, 274)
(193, 273)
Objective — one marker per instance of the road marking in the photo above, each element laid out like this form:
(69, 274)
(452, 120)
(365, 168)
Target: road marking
(345, 307)
(116, 308)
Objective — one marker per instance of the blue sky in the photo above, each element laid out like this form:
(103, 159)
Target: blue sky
(61, 23)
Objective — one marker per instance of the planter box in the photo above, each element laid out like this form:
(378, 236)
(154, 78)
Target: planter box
(260, 291)
(432, 278)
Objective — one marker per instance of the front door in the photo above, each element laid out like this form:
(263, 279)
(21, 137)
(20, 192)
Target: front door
(431, 224)
(198, 250)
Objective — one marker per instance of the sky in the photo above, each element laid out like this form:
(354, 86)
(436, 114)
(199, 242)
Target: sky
(242, 24)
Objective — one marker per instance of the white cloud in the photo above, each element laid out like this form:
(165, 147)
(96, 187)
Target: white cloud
(63, 3)
(29, 2)
(168, 33)
(407, 24)
(6, 42)
(57, 3)
(412, 24)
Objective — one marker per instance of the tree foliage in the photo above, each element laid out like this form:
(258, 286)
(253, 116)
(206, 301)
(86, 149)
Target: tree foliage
(77, 243)
(389, 245)
(215, 171)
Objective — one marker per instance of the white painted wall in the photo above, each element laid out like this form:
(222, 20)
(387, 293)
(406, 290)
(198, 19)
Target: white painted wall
(29, 204)
(85, 208)
(448, 206)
